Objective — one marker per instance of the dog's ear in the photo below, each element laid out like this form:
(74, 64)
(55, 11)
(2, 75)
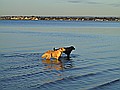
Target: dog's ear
(60, 49)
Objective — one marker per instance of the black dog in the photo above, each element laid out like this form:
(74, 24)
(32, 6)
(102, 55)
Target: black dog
(67, 51)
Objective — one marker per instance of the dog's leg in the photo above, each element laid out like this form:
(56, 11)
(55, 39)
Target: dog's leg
(57, 58)
(68, 56)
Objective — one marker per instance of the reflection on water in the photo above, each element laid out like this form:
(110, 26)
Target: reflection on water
(57, 64)
(54, 64)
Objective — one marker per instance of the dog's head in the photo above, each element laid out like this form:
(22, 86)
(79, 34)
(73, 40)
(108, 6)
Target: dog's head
(73, 48)
(61, 49)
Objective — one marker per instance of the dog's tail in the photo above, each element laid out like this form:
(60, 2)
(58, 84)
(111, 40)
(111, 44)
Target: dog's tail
(44, 55)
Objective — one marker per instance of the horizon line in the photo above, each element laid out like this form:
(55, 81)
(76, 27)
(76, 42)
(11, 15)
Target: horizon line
(67, 15)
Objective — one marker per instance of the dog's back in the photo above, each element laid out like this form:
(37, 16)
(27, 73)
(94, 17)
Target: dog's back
(55, 54)
(67, 51)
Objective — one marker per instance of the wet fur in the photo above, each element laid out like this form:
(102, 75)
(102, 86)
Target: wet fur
(67, 51)
(55, 54)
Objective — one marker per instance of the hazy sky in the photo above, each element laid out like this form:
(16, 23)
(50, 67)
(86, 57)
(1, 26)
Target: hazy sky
(60, 7)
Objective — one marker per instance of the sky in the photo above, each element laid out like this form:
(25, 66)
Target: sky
(60, 7)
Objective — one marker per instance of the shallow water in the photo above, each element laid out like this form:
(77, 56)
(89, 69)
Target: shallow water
(94, 65)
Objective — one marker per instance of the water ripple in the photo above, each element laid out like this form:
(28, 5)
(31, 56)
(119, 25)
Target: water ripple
(108, 83)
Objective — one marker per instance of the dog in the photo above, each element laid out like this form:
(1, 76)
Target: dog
(67, 51)
(55, 54)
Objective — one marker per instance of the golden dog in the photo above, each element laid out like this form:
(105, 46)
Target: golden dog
(55, 54)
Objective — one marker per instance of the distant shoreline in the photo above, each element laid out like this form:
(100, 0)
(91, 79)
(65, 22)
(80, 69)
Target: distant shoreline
(61, 18)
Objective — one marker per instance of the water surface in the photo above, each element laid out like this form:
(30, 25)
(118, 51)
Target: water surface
(94, 65)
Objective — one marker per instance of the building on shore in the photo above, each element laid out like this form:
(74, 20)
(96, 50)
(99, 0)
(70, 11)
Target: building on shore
(61, 18)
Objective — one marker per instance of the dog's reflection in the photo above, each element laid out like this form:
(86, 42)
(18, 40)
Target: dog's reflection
(57, 64)
(52, 64)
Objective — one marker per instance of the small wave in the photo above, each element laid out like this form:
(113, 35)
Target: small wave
(107, 51)
(100, 46)
(95, 66)
(20, 77)
(17, 59)
(21, 67)
(112, 57)
(85, 67)
(113, 69)
(105, 84)
(21, 55)
(75, 78)
(62, 81)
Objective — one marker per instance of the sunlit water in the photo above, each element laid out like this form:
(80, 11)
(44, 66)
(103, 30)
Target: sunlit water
(94, 65)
